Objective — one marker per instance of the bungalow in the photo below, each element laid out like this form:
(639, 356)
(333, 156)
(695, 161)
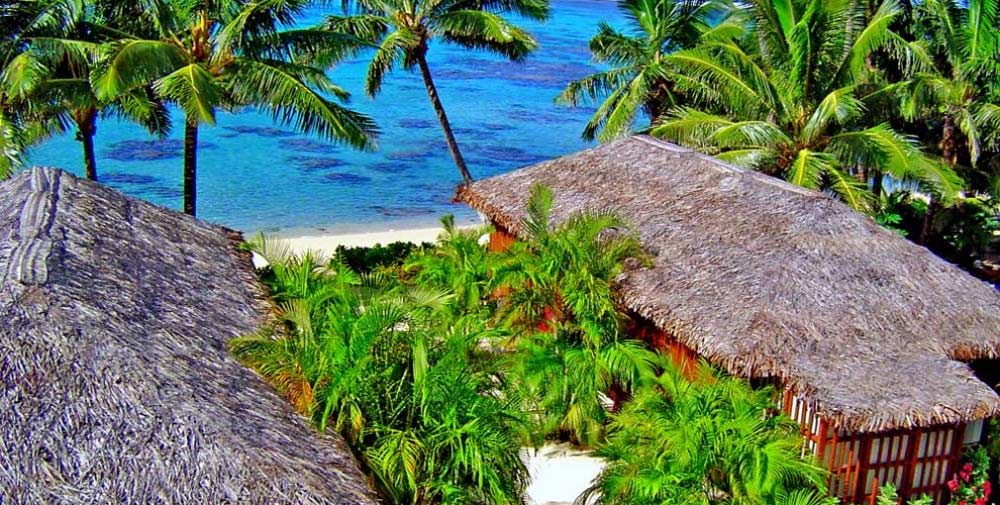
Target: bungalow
(875, 342)
(117, 383)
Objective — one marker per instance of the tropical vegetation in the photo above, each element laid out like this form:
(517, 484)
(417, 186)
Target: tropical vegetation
(640, 79)
(231, 54)
(697, 437)
(63, 47)
(439, 369)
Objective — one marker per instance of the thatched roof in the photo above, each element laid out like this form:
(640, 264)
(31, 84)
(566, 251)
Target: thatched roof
(767, 279)
(118, 386)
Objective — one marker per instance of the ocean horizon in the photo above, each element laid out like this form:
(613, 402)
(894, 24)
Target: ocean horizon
(257, 176)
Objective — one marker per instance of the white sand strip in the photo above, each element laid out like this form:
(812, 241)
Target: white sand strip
(328, 243)
(559, 473)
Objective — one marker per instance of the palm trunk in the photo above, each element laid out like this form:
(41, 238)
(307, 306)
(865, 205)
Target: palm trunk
(449, 136)
(190, 167)
(950, 155)
(877, 183)
(86, 128)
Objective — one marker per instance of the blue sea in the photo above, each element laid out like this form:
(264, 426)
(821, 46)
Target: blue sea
(257, 176)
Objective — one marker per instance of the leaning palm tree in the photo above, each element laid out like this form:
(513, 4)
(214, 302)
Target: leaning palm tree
(793, 100)
(403, 30)
(229, 54)
(640, 79)
(956, 81)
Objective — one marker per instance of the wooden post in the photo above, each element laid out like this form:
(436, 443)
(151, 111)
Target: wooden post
(874, 496)
(864, 456)
(912, 460)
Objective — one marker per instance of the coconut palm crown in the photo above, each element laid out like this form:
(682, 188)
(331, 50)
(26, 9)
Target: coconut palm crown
(228, 54)
(62, 49)
(957, 78)
(791, 100)
(640, 79)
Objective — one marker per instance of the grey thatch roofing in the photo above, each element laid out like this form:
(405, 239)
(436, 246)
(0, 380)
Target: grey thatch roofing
(772, 280)
(117, 385)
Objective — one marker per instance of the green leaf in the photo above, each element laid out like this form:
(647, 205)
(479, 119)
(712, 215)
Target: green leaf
(194, 90)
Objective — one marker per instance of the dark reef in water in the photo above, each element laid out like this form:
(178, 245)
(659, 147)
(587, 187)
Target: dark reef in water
(344, 178)
(118, 178)
(388, 167)
(260, 131)
(417, 123)
(148, 150)
(312, 163)
(163, 192)
(503, 153)
(307, 146)
(413, 155)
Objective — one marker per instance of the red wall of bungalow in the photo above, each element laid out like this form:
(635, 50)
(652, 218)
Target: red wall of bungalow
(917, 461)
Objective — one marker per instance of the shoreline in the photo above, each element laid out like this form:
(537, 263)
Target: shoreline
(328, 243)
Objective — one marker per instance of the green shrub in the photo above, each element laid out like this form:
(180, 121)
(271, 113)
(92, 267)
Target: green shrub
(366, 259)
(710, 439)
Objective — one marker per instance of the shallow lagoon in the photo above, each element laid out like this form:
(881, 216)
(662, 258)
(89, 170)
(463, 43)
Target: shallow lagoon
(254, 175)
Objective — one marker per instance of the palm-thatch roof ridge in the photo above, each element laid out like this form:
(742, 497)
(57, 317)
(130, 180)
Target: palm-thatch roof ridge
(768, 279)
(118, 387)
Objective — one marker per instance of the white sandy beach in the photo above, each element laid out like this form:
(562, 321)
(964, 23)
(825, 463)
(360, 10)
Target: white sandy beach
(328, 243)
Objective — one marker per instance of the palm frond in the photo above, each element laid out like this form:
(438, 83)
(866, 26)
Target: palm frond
(195, 90)
(484, 30)
(279, 88)
(135, 63)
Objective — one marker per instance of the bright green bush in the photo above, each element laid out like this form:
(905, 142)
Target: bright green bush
(708, 440)
(393, 369)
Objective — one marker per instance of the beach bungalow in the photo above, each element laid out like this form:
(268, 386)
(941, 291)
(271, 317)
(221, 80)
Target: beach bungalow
(879, 347)
(117, 383)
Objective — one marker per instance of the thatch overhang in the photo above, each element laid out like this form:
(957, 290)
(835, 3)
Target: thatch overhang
(767, 279)
(117, 383)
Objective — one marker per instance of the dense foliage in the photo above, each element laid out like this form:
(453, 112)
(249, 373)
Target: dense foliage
(439, 371)
(698, 438)
(861, 99)
(390, 367)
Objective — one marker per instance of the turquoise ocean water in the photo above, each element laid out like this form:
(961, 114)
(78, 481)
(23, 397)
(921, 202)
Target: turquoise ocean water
(255, 176)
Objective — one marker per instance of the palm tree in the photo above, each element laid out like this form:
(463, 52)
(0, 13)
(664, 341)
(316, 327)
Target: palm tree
(403, 30)
(956, 81)
(793, 103)
(23, 123)
(228, 54)
(640, 79)
(710, 439)
(56, 68)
